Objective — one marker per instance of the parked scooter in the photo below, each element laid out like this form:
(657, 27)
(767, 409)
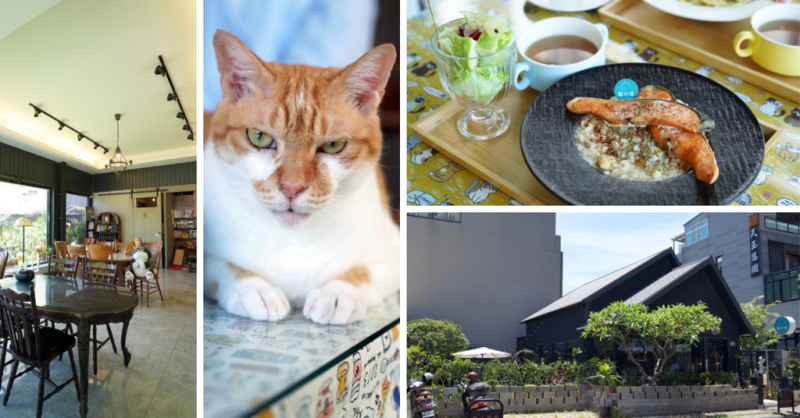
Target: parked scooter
(473, 397)
(422, 404)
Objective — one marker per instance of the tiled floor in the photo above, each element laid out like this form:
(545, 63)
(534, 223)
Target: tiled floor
(161, 380)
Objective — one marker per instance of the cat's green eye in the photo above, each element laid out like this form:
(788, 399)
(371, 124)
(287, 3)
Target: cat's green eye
(332, 147)
(260, 139)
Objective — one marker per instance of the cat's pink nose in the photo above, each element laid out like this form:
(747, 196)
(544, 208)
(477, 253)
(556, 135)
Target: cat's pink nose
(291, 190)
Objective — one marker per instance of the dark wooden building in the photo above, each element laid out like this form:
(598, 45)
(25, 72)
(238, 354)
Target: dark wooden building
(554, 331)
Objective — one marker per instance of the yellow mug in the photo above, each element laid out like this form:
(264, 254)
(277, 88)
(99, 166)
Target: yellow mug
(773, 56)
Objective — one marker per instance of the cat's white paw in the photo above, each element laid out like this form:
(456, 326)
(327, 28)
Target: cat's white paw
(335, 303)
(263, 303)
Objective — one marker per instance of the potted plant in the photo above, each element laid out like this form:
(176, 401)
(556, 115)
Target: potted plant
(605, 376)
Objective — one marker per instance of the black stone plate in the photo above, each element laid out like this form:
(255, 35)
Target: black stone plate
(548, 142)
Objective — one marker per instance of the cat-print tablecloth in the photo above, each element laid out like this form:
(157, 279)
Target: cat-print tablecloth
(295, 368)
(434, 179)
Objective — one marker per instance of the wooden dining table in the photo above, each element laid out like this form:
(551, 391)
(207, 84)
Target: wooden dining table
(84, 303)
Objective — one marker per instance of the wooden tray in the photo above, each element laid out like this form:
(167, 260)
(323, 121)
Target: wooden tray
(710, 43)
(498, 161)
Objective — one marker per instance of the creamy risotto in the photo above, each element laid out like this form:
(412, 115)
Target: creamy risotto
(625, 152)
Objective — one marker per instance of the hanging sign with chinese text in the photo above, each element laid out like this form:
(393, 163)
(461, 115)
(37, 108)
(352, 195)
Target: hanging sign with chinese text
(755, 246)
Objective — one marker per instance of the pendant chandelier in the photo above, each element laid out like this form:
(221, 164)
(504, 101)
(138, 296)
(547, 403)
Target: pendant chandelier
(118, 164)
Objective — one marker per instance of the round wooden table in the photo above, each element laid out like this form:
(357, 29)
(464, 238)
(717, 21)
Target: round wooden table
(83, 303)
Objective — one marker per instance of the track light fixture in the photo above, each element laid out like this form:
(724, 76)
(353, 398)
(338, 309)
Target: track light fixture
(162, 71)
(62, 125)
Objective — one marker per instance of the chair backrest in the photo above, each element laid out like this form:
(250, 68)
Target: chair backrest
(129, 247)
(100, 252)
(65, 267)
(22, 323)
(61, 249)
(99, 271)
(89, 241)
(76, 250)
(3, 261)
(155, 253)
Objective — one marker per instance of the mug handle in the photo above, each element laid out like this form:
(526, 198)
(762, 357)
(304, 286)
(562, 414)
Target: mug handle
(603, 29)
(737, 43)
(525, 83)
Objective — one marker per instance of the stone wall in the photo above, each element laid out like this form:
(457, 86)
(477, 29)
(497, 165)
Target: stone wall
(665, 400)
(631, 401)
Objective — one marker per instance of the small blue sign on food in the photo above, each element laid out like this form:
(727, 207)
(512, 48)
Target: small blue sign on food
(626, 89)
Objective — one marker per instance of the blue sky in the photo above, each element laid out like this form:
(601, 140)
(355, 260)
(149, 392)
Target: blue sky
(595, 244)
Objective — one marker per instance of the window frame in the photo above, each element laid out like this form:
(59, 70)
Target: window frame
(89, 200)
(701, 227)
(776, 225)
(781, 286)
(49, 220)
(454, 217)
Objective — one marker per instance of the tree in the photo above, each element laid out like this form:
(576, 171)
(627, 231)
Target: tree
(438, 338)
(759, 317)
(663, 332)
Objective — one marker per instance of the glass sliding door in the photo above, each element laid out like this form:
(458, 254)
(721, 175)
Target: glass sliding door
(20, 204)
(76, 218)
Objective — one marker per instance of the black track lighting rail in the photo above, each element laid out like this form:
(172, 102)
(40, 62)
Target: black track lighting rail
(62, 125)
(162, 71)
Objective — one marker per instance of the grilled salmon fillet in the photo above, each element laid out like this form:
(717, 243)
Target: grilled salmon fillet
(641, 112)
(691, 148)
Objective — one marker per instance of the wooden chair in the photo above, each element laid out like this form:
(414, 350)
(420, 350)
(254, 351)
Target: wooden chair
(100, 252)
(140, 284)
(3, 332)
(89, 241)
(102, 274)
(61, 249)
(76, 251)
(129, 247)
(33, 345)
(65, 267)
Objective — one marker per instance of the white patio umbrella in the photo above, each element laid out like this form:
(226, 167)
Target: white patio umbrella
(482, 352)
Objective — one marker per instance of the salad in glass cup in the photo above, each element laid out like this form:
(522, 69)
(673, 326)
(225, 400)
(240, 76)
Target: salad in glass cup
(476, 57)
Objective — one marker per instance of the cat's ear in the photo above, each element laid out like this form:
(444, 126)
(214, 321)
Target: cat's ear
(366, 78)
(241, 72)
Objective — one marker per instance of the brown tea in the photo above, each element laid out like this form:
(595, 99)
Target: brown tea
(786, 32)
(561, 50)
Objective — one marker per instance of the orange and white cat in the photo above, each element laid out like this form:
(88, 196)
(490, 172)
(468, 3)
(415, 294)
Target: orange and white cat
(296, 212)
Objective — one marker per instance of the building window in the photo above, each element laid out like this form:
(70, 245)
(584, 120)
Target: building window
(719, 263)
(439, 216)
(697, 232)
(17, 202)
(792, 261)
(544, 351)
(560, 351)
(76, 218)
(781, 225)
(782, 286)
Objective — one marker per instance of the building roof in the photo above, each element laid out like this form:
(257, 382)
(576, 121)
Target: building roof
(583, 292)
(657, 286)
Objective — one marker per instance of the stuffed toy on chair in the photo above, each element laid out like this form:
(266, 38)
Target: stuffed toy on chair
(140, 267)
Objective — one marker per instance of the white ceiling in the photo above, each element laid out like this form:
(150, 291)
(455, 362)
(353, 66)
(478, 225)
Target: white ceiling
(85, 60)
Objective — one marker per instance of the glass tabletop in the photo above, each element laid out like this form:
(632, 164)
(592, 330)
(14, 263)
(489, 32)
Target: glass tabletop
(75, 296)
(249, 365)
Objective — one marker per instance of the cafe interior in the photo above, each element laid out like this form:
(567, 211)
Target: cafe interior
(98, 208)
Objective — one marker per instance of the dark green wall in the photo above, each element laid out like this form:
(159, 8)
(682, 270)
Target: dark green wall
(168, 175)
(26, 166)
